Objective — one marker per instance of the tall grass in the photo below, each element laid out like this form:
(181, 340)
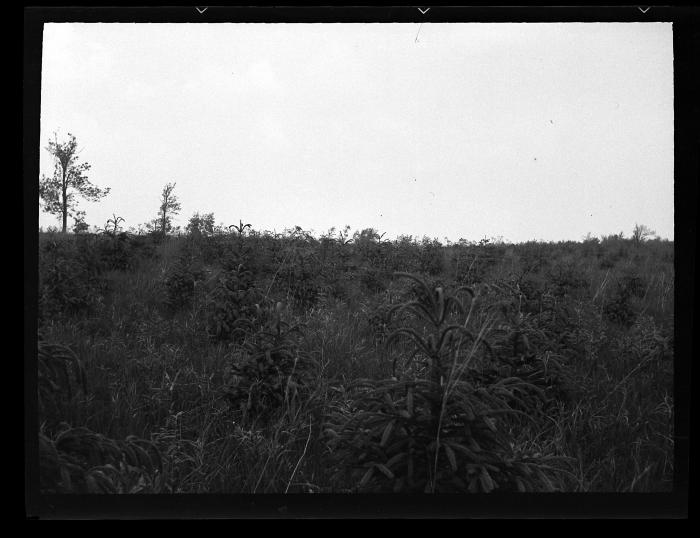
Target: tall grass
(553, 372)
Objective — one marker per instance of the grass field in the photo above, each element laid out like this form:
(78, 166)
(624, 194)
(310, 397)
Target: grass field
(249, 362)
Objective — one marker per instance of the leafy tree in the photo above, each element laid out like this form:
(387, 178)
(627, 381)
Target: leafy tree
(169, 206)
(366, 242)
(80, 225)
(59, 192)
(201, 224)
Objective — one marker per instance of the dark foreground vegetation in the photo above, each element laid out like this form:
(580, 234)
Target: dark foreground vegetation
(251, 362)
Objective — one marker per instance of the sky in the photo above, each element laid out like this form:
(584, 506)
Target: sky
(522, 131)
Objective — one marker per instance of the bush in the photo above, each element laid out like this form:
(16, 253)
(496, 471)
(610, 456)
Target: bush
(372, 280)
(270, 372)
(302, 277)
(567, 279)
(235, 306)
(180, 283)
(66, 286)
(115, 251)
(431, 260)
(618, 309)
(434, 428)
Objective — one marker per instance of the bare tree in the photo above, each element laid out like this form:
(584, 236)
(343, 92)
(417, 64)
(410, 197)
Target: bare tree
(60, 191)
(641, 233)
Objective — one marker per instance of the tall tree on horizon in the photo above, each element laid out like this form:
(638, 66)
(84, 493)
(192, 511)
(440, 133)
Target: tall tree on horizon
(59, 192)
(169, 206)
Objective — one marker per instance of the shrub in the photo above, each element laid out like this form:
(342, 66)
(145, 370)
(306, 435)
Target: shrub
(115, 251)
(431, 260)
(143, 247)
(301, 276)
(235, 306)
(80, 225)
(371, 279)
(633, 285)
(201, 225)
(378, 324)
(66, 286)
(567, 279)
(435, 429)
(270, 372)
(618, 309)
(180, 283)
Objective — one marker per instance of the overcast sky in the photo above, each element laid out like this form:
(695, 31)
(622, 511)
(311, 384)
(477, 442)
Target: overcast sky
(525, 131)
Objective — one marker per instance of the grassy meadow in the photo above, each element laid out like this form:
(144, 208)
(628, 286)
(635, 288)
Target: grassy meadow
(252, 362)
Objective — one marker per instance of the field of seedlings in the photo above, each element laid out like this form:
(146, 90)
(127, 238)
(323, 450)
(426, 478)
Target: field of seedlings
(254, 362)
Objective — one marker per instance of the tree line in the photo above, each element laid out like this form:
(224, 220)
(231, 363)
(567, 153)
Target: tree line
(69, 182)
